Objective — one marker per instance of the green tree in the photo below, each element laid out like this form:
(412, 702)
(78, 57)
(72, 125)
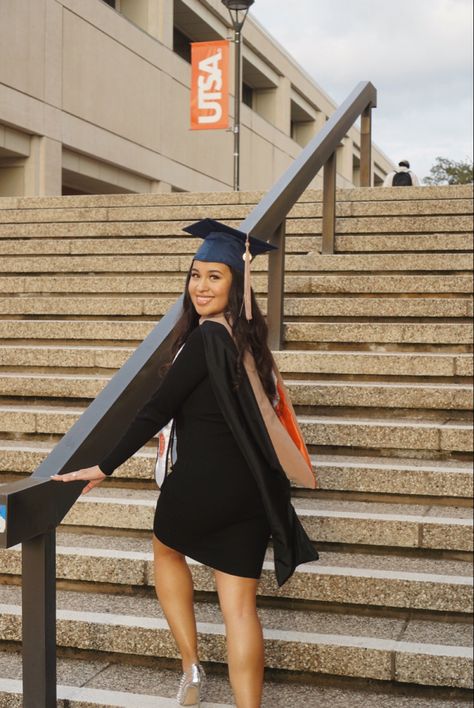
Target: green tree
(446, 171)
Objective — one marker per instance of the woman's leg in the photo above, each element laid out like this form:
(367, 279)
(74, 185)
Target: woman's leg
(237, 598)
(175, 591)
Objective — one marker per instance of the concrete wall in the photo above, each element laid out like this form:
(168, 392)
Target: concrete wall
(94, 99)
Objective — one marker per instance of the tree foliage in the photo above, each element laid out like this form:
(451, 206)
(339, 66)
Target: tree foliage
(446, 171)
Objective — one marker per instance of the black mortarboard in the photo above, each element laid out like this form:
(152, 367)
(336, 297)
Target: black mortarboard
(224, 244)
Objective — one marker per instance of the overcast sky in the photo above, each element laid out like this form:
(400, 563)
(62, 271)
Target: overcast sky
(418, 54)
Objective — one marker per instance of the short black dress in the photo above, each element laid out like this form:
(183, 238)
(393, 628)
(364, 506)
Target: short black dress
(209, 508)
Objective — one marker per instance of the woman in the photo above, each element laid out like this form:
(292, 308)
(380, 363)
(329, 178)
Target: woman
(228, 490)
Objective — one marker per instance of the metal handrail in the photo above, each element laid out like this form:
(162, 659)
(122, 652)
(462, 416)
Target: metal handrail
(275, 205)
(34, 507)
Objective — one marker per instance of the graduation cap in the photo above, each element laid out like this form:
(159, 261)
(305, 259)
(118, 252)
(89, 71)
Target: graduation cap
(224, 244)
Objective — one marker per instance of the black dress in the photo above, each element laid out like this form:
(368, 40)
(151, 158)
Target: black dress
(210, 507)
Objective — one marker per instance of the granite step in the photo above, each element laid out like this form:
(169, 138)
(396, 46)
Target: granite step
(359, 194)
(84, 697)
(138, 305)
(421, 208)
(313, 333)
(302, 284)
(410, 216)
(384, 649)
(412, 584)
(346, 229)
(103, 683)
(436, 479)
(157, 209)
(333, 521)
(36, 242)
(313, 262)
(314, 393)
(390, 434)
(360, 363)
(382, 332)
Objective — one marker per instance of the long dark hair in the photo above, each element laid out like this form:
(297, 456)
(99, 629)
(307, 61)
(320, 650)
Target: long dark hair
(248, 335)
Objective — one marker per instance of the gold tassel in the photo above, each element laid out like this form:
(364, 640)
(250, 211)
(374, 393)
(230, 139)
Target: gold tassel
(247, 281)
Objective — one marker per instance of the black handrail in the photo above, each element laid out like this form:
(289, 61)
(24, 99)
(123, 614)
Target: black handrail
(34, 507)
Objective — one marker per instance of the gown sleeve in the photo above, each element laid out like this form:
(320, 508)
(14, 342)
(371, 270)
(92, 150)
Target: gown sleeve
(186, 372)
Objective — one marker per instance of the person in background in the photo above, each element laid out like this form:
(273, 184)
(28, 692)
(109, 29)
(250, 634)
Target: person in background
(403, 177)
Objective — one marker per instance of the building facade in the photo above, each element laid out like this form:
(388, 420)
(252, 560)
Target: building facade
(94, 98)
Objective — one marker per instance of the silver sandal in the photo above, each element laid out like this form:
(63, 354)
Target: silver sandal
(191, 686)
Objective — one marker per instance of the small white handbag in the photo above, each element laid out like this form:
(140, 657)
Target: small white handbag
(166, 444)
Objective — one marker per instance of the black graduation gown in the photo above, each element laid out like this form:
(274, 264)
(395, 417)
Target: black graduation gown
(243, 416)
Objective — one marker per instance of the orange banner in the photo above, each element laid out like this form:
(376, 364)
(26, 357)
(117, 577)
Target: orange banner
(210, 85)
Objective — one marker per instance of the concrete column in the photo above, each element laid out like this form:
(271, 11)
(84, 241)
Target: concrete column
(275, 105)
(154, 16)
(43, 168)
(319, 121)
(12, 178)
(303, 132)
(159, 187)
(344, 160)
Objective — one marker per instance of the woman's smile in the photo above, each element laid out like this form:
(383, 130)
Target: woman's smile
(209, 286)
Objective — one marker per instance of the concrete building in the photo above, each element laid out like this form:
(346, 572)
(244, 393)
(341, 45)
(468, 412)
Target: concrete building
(94, 98)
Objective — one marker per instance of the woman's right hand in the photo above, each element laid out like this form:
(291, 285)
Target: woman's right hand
(93, 475)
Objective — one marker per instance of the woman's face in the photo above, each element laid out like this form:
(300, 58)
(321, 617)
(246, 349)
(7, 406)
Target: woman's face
(209, 287)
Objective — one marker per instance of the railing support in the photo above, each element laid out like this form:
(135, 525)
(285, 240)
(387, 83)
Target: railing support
(276, 289)
(366, 147)
(329, 204)
(39, 621)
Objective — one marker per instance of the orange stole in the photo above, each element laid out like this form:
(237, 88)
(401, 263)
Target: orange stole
(287, 419)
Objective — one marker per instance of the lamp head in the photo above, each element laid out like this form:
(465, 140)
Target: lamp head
(238, 5)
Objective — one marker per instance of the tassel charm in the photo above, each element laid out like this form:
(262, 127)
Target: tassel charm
(247, 281)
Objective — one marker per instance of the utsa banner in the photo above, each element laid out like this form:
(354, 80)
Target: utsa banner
(210, 85)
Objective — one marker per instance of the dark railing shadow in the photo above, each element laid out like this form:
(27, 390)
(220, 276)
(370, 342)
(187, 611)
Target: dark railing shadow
(34, 507)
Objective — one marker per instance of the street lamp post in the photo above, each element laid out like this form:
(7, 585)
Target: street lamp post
(236, 7)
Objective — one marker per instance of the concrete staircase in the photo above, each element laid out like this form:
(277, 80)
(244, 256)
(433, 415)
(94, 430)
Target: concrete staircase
(377, 358)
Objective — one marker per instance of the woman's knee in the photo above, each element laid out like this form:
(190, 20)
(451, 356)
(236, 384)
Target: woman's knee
(237, 597)
(163, 552)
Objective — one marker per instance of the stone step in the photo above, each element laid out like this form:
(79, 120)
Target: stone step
(383, 332)
(337, 578)
(102, 683)
(191, 212)
(312, 333)
(303, 393)
(385, 649)
(313, 262)
(360, 523)
(304, 284)
(359, 194)
(419, 364)
(141, 243)
(390, 433)
(85, 697)
(434, 436)
(294, 307)
(411, 235)
(404, 476)
(384, 231)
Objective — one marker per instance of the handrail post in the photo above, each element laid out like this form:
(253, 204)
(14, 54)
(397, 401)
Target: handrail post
(329, 204)
(276, 289)
(39, 621)
(366, 147)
